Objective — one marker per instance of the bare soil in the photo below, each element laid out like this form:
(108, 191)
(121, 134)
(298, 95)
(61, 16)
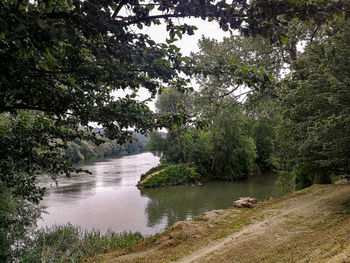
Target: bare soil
(140, 183)
(312, 225)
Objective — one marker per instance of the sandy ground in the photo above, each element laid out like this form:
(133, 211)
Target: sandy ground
(312, 225)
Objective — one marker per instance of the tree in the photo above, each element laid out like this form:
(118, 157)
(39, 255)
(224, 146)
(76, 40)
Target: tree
(234, 151)
(314, 132)
(263, 134)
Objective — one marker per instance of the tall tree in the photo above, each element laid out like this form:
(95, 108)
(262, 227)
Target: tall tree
(314, 134)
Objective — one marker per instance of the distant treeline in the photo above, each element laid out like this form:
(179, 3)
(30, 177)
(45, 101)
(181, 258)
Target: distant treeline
(79, 150)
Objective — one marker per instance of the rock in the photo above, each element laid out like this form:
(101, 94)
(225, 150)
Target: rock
(252, 200)
(242, 203)
(196, 183)
(245, 202)
(341, 181)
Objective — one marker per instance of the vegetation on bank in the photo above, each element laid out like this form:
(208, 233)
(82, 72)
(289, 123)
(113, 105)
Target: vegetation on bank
(296, 123)
(169, 174)
(153, 170)
(81, 150)
(68, 243)
(231, 146)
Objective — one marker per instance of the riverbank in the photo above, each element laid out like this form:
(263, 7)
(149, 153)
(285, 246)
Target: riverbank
(311, 225)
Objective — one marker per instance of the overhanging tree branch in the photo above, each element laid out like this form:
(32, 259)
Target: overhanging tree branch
(166, 16)
(119, 7)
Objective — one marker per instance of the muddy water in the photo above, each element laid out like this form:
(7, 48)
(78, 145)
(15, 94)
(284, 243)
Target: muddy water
(108, 199)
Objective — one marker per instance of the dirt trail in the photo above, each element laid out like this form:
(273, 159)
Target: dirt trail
(272, 232)
(140, 183)
(312, 225)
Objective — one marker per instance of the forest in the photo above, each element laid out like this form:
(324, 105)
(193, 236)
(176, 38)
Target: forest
(273, 96)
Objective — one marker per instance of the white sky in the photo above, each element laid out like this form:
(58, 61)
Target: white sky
(187, 44)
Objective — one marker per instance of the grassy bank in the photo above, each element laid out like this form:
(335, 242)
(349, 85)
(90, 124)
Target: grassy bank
(293, 228)
(68, 243)
(167, 175)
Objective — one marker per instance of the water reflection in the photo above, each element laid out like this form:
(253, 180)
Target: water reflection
(185, 202)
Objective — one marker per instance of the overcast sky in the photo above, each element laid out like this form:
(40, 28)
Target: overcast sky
(187, 44)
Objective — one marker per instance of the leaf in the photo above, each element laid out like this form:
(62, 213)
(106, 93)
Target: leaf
(285, 39)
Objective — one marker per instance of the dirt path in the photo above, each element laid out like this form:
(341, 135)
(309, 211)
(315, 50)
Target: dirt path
(284, 226)
(312, 225)
(140, 183)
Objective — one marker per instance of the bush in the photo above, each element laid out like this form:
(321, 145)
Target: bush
(173, 175)
(68, 243)
(286, 182)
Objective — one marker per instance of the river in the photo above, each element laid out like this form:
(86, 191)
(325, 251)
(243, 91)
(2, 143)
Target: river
(109, 199)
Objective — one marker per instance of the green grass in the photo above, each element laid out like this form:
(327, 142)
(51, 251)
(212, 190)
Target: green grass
(200, 218)
(68, 243)
(154, 169)
(221, 235)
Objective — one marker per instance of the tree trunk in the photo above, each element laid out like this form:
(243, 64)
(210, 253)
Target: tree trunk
(320, 177)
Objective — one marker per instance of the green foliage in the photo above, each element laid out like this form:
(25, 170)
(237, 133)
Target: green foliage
(173, 174)
(313, 136)
(172, 101)
(7, 208)
(17, 222)
(159, 167)
(286, 182)
(233, 150)
(188, 145)
(156, 142)
(263, 134)
(68, 243)
(80, 150)
(303, 176)
(197, 148)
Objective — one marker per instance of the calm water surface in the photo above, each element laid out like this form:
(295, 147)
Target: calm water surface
(109, 199)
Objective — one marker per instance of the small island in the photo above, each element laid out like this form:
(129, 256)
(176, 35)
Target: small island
(168, 175)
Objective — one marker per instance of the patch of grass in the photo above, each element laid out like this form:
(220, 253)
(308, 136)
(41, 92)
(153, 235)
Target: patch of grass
(139, 259)
(200, 218)
(240, 225)
(221, 235)
(347, 212)
(175, 258)
(229, 218)
(68, 243)
(260, 217)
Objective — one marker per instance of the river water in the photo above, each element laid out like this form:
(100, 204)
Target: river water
(109, 199)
